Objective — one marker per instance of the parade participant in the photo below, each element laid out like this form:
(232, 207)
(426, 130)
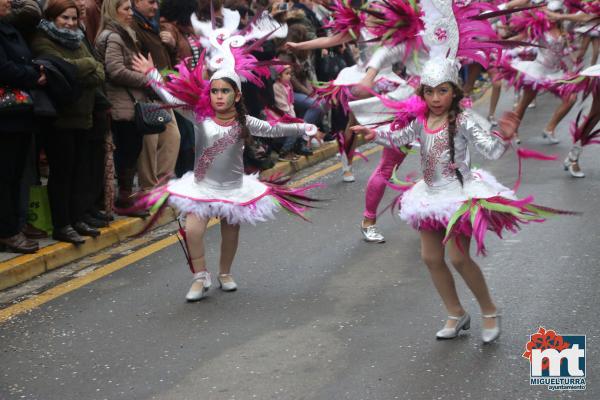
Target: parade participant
(218, 187)
(454, 203)
(583, 134)
(449, 182)
(374, 67)
(546, 71)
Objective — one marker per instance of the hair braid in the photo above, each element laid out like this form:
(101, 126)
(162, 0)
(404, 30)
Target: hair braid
(241, 112)
(453, 113)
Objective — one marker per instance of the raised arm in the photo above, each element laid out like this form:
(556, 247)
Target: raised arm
(386, 136)
(155, 81)
(258, 127)
(478, 133)
(320, 43)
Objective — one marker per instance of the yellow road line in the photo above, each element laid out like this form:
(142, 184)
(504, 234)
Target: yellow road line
(74, 284)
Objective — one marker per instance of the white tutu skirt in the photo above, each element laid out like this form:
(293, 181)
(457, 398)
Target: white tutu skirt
(536, 76)
(354, 74)
(429, 208)
(251, 203)
(372, 111)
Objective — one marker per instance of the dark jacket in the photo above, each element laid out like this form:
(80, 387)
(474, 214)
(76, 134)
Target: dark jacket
(149, 41)
(16, 71)
(90, 74)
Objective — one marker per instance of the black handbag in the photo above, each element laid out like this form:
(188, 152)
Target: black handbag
(149, 118)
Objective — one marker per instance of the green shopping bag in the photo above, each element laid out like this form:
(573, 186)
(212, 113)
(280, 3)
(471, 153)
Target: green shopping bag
(39, 209)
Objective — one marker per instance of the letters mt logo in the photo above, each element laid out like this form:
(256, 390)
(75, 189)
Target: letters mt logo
(557, 361)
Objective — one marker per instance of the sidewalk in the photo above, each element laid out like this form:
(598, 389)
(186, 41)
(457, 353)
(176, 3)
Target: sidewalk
(16, 269)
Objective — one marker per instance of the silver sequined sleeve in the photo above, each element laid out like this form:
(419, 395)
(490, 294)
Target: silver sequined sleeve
(386, 56)
(477, 132)
(155, 80)
(258, 127)
(389, 138)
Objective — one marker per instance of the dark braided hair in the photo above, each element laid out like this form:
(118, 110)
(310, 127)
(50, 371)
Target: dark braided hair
(455, 110)
(241, 113)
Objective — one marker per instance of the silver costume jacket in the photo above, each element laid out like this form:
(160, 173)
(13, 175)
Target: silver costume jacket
(437, 168)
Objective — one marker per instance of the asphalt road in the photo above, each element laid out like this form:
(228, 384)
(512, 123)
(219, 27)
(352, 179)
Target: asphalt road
(322, 315)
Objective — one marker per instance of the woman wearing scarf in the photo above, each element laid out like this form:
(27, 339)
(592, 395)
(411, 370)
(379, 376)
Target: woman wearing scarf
(59, 36)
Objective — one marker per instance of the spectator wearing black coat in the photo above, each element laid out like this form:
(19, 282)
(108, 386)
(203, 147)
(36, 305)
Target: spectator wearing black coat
(16, 72)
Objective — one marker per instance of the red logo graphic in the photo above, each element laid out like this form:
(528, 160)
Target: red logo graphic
(545, 339)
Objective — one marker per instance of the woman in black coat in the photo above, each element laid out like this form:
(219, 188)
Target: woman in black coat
(16, 130)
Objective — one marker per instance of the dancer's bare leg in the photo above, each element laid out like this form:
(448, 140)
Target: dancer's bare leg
(560, 112)
(471, 274)
(495, 97)
(229, 244)
(432, 253)
(595, 50)
(473, 72)
(195, 228)
(349, 138)
(583, 49)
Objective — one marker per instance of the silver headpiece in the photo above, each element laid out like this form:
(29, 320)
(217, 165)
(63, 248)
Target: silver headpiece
(223, 60)
(442, 37)
(227, 73)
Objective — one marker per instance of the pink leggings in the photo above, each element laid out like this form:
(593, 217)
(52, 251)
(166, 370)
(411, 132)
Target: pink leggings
(376, 185)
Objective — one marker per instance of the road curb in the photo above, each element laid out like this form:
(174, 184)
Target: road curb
(23, 268)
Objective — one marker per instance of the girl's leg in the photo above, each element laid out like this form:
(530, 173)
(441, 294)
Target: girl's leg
(595, 50)
(583, 49)
(195, 227)
(495, 97)
(349, 139)
(526, 98)
(377, 183)
(473, 72)
(559, 114)
(432, 253)
(471, 274)
(229, 244)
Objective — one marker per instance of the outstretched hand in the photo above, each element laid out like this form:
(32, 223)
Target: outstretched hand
(508, 124)
(369, 134)
(142, 64)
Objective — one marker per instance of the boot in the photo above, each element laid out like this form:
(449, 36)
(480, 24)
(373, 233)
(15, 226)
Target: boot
(126, 197)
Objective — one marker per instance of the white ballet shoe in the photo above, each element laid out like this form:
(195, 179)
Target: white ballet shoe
(347, 176)
(571, 163)
(550, 137)
(200, 285)
(491, 334)
(227, 283)
(464, 322)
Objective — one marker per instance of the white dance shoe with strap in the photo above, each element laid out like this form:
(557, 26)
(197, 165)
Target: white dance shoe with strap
(200, 285)
(463, 323)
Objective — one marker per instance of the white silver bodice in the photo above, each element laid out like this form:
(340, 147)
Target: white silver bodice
(551, 55)
(219, 149)
(438, 171)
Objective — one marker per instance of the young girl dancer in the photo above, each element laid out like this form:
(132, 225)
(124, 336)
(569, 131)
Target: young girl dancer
(218, 187)
(583, 133)
(374, 67)
(449, 182)
(546, 71)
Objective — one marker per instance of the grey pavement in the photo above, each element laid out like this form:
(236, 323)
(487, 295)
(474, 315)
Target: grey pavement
(320, 314)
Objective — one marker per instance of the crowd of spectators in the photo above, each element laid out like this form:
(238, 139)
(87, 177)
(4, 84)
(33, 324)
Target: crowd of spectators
(72, 59)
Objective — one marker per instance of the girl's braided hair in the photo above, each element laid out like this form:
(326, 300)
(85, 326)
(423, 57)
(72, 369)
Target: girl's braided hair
(455, 110)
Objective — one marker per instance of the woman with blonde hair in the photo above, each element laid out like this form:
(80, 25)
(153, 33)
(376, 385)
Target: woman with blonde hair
(116, 45)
